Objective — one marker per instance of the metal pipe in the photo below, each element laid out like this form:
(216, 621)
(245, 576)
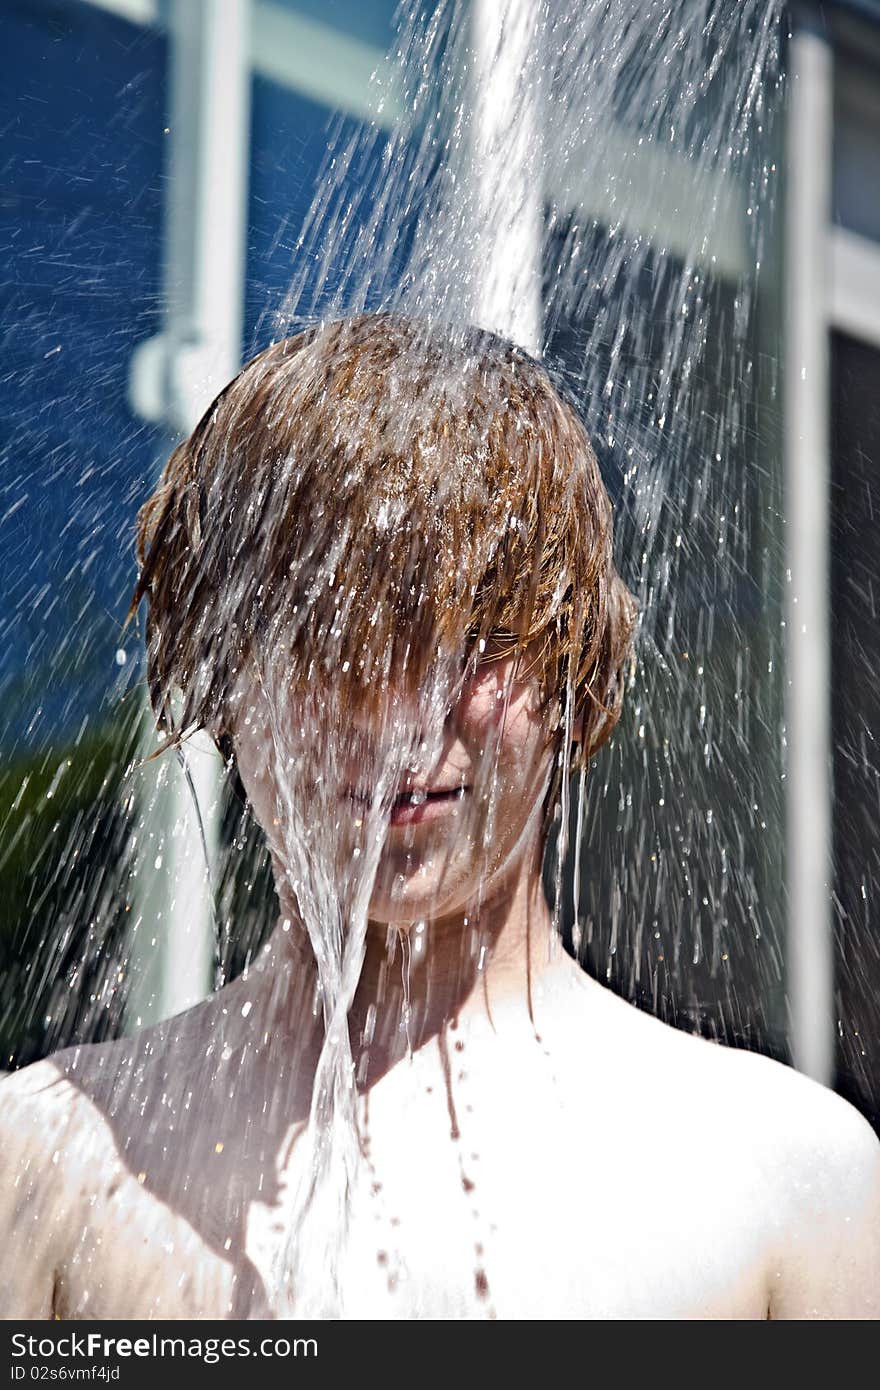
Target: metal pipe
(174, 378)
(506, 168)
(810, 965)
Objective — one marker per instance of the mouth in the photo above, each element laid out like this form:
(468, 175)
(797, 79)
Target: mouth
(413, 807)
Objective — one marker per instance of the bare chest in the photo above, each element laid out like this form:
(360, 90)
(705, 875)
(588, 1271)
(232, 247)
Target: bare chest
(463, 1205)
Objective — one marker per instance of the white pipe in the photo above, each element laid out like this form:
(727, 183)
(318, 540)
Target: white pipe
(507, 168)
(810, 964)
(207, 200)
(179, 373)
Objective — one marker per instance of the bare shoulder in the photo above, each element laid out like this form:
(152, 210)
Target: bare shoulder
(805, 1165)
(823, 1136)
(772, 1091)
(37, 1111)
(63, 1126)
(821, 1162)
(776, 1109)
(29, 1112)
(48, 1119)
(38, 1104)
(816, 1140)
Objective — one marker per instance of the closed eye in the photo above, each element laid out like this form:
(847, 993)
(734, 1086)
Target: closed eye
(497, 644)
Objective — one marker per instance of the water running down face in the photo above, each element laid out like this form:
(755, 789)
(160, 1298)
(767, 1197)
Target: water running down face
(451, 830)
(359, 510)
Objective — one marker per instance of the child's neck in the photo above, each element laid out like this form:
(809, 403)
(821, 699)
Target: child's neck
(471, 965)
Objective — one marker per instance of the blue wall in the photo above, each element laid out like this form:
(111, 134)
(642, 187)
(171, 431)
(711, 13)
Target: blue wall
(82, 115)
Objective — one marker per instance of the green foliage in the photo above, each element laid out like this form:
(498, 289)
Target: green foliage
(63, 832)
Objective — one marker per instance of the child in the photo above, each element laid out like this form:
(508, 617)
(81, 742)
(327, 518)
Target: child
(380, 573)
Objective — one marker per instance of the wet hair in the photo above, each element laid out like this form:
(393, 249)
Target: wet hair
(370, 493)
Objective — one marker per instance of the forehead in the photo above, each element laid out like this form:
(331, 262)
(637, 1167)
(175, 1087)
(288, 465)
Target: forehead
(382, 506)
(495, 710)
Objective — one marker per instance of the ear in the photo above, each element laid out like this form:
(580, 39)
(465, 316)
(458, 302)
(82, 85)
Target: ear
(577, 726)
(224, 744)
(215, 729)
(226, 749)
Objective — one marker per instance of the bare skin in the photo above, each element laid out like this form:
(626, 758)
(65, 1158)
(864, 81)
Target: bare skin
(547, 1151)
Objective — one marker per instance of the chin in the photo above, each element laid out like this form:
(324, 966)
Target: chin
(418, 898)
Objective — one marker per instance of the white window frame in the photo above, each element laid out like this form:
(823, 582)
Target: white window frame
(832, 282)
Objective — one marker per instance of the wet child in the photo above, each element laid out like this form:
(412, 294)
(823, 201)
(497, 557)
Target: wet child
(380, 574)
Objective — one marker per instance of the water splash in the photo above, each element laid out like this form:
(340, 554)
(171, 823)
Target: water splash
(652, 182)
(643, 207)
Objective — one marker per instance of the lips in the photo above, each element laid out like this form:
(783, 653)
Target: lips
(415, 804)
(410, 808)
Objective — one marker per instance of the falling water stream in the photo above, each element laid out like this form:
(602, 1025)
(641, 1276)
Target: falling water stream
(631, 174)
(608, 210)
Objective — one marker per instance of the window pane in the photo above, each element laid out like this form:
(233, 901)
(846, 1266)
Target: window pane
(855, 594)
(856, 167)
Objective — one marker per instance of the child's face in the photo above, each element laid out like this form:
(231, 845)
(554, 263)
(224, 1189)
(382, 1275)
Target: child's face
(440, 854)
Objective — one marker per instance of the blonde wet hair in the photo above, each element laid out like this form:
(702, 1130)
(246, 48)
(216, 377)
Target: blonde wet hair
(371, 493)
